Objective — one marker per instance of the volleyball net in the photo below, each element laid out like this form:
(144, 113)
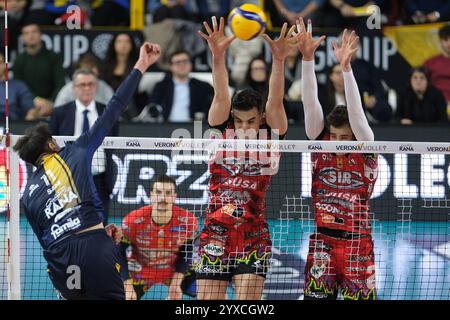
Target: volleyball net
(409, 213)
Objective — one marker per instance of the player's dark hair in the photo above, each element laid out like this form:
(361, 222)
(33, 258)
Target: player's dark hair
(28, 23)
(247, 99)
(444, 32)
(164, 179)
(177, 52)
(34, 143)
(338, 117)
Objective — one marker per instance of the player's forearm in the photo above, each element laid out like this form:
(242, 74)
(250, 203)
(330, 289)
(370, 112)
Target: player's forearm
(358, 121)
(310, 8)
(314, 120)
(221, 104)
(275, 113)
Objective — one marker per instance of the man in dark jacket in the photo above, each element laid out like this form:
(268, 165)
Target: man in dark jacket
(181, 98)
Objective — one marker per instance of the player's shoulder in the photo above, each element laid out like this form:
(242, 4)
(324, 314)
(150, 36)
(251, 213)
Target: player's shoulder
(138, 216)
(182, 213)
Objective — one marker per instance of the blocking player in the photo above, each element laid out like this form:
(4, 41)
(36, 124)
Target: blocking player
(235, 243)
(62, 205)
(341, 248)
(159, 240)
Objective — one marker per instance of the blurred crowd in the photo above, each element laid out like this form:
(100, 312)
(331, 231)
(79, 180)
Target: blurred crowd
(38, 86)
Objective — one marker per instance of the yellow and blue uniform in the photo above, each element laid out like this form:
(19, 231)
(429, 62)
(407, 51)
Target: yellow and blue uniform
(60, 200)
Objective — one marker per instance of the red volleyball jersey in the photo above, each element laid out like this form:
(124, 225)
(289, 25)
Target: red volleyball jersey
(154, 248)
(242, 178)
(341, 189)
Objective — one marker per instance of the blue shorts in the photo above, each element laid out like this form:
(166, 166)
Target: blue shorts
(86, 266)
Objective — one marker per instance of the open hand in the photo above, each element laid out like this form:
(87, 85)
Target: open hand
(349, 46)
(217, 41)
(304, 40)
(281, 46)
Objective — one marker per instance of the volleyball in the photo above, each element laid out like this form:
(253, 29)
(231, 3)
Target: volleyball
(247, 21)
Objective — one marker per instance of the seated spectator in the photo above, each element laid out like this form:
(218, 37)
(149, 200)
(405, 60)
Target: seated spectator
(421, 102)
(111, 13)
(20, 98)
(374, 96)
(181, 98)
(342, 13)
(45, 12)
(293, 74)
(242, 53)
(438, 67)
(257, 78)
(17, 12)
(428, 11)
(118, 63)
(291, 10)
(104, 90)
(76, 117)
(333, 94)
(40, 68)
(164, 9)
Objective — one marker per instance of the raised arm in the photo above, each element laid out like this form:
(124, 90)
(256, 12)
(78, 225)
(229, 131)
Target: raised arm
(92, 139)
(218, 44)
(314, 118)
(356, 116)
(275, 113)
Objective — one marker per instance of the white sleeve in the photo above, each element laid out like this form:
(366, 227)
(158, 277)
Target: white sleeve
(314, 120)
(356, 115)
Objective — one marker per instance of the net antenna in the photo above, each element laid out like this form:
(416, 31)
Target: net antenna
(12, 188)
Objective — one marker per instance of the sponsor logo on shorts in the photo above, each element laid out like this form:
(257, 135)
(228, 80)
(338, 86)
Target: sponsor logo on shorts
(214, 250)
(318, 270)
(217, 228)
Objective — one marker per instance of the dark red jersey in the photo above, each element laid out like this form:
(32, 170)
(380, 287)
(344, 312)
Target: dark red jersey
(242, 178)
(341, 189)
(154, 248)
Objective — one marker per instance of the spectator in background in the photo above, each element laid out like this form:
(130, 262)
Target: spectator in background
(421, 101)
(76, 117)
(40, 68)
(333, 94)
(164, 9)
(291, 10)
(17, 12)
(341, 13)
(111, 13)
(20, 98)
(373, 94)
(104, 90)
(118, 63)
(293, 73)
(257, 77)
(438, 67)
(45, 12)
(180, 97)
(427, 11)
